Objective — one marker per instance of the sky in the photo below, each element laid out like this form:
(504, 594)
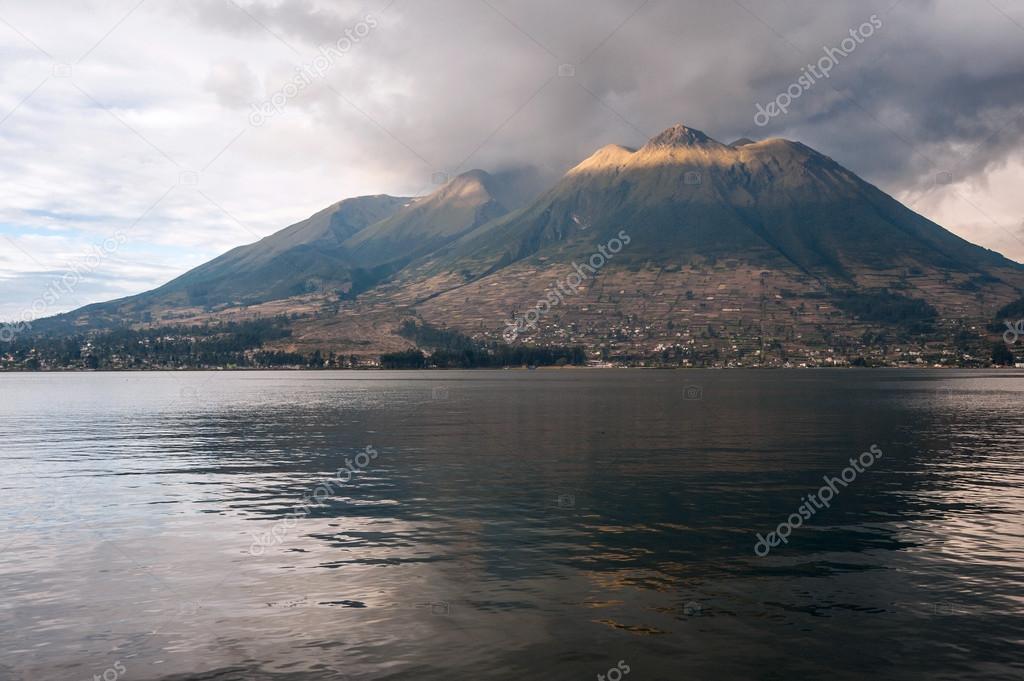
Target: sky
(139, 139)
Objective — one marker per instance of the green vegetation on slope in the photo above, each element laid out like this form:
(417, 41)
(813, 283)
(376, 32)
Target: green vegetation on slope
(453, 350)
(885, 307)
(218, 345)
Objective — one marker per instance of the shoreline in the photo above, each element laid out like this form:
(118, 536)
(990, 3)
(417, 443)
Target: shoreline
(516, 368)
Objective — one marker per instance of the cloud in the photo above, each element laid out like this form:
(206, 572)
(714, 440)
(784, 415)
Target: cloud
(158, 108)
(233, 84)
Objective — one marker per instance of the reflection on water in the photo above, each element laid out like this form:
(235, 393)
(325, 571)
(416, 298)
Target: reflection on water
(547, 523)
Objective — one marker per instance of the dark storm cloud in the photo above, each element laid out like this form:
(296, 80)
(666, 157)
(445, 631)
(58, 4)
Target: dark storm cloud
(472, 83)
(523, 88)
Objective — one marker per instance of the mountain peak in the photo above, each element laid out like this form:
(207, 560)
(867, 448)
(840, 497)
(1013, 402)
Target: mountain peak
(680, 136)
(472, 185)
(471, 180)
(608, 156)
(474, 175)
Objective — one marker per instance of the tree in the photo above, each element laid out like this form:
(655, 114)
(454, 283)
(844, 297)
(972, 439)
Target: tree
(1001, 355)
(408, 359)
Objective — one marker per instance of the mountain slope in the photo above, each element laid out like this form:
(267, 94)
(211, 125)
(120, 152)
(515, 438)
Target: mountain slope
(464, 203)
(284, 263)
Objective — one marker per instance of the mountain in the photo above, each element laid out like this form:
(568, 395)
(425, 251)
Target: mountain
(754, 251)
(735, 253)
(776, 202)
(347, 247)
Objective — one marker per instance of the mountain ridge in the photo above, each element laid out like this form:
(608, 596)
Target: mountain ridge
(774, 195)
(785, 216)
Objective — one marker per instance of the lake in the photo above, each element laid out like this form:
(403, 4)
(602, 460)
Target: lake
(550, 524)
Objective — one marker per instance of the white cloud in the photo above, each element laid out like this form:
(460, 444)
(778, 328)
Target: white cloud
(986, 208)
(166, 89)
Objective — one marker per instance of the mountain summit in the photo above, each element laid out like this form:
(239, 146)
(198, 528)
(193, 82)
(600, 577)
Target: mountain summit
(681, 136)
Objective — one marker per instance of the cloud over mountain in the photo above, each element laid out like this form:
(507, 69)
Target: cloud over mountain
(927, 108)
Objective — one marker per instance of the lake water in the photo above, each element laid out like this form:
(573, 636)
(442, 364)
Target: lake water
(510, 525)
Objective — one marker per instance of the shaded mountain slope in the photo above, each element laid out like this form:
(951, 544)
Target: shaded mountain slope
(283, 264)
